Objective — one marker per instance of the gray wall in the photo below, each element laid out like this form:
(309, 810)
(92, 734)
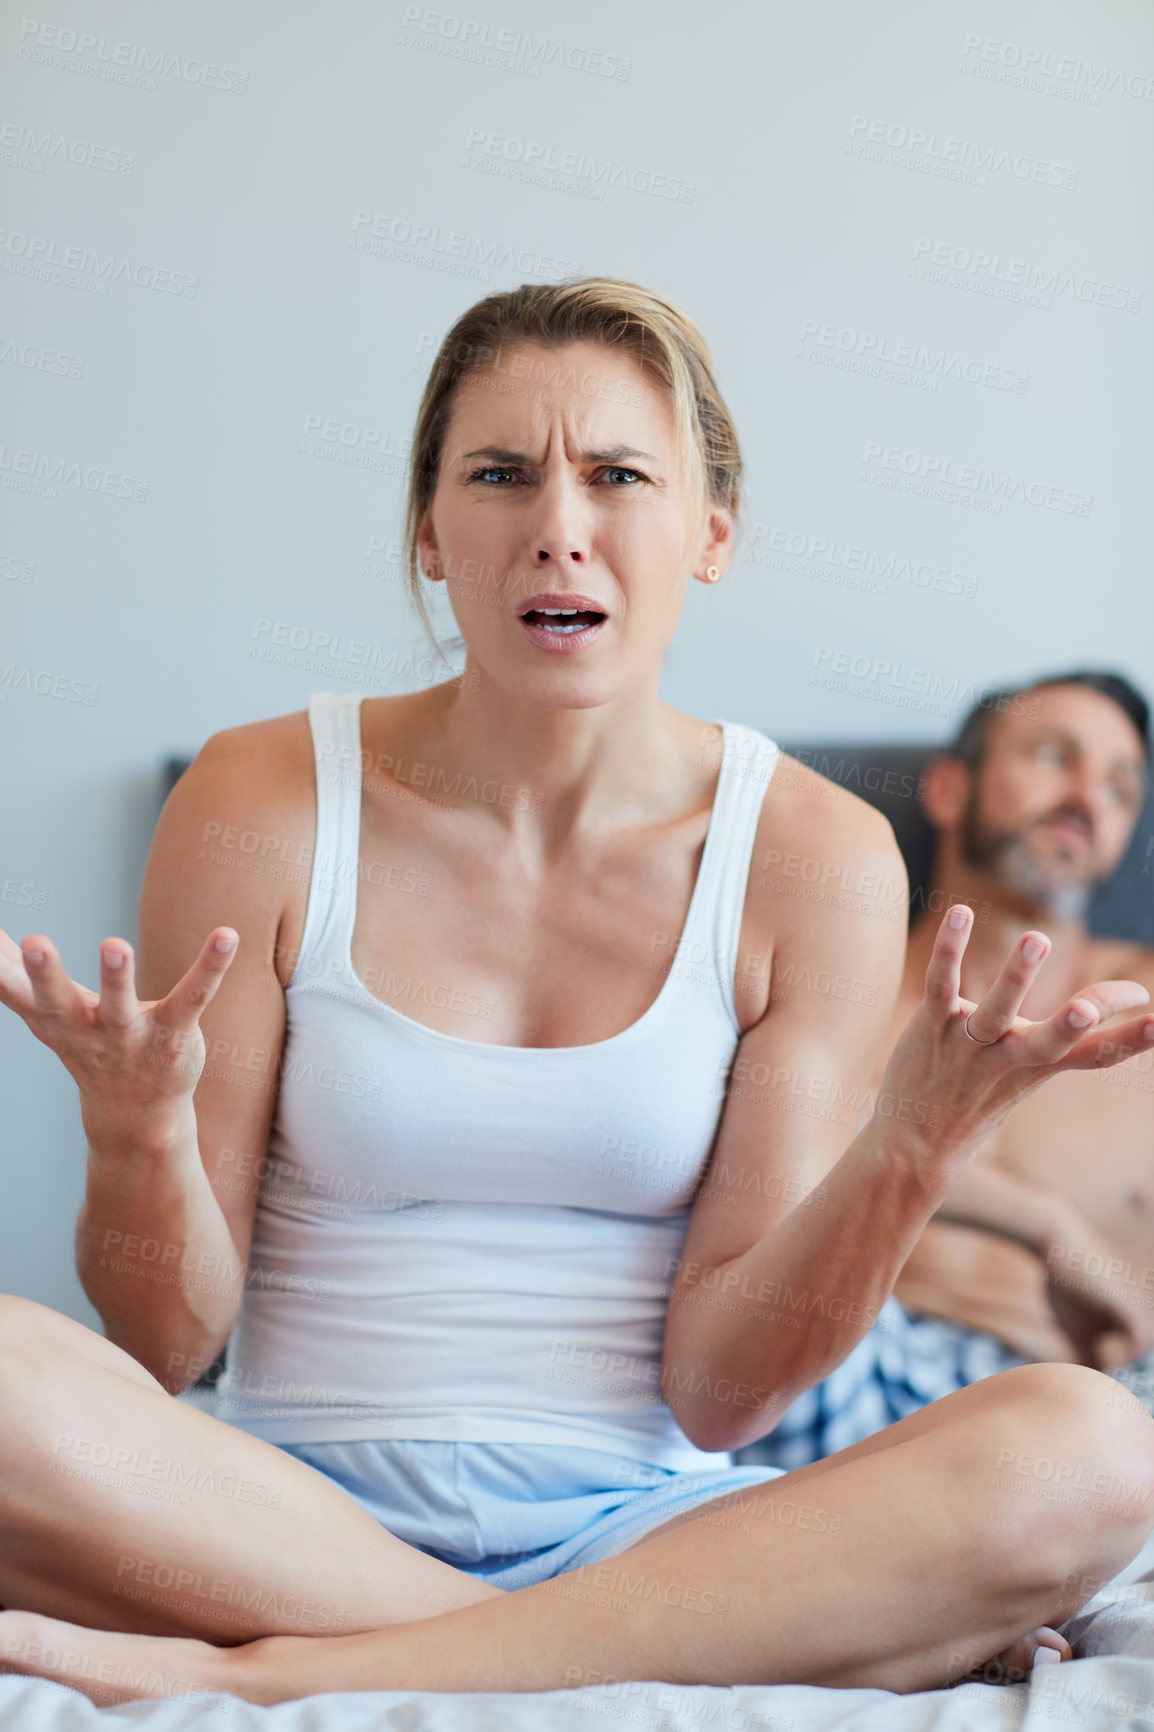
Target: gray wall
(918, 237)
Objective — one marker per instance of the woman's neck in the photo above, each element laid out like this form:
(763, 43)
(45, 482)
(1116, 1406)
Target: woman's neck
(634, 760)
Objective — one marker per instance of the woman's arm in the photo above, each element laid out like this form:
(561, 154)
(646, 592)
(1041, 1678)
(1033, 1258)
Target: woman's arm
(782, 1268)
(791, 1250)
(163, 1236)
(178, 1089)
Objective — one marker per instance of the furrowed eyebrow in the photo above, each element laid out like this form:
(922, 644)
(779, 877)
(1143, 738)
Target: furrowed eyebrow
(499, 454)
(615, 454)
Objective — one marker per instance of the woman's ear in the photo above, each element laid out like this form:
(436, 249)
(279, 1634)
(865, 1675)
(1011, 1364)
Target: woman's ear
(945, 788)
(428, 553)
(716, 548)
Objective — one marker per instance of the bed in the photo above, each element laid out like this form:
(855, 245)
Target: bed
(1109, 1684)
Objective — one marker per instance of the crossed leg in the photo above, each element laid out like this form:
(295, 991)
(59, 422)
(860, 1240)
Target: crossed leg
(939, 1542)
(125, 1509)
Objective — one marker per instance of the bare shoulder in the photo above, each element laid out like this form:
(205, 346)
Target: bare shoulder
(233, 845)
(1121, 959)
(823, 844)
(250, 788)
(827, 898)
(280, 746)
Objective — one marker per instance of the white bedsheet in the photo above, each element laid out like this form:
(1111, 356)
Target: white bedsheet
(1109, 1685)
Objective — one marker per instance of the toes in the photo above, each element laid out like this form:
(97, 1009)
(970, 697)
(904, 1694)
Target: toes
(1049, 1646)
(1040, 1647)
(19, 1636)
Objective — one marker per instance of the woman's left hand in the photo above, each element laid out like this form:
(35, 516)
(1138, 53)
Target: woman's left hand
(959, 1068)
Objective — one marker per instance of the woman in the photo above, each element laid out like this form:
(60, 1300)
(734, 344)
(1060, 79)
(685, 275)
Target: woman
(505, 1161)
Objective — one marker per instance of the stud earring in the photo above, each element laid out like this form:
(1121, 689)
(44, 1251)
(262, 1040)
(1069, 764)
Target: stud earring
(712, 574)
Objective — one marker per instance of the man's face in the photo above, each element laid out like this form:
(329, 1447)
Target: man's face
(1052, 805)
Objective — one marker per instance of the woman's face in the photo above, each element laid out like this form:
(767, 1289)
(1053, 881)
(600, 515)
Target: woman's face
(560, 485)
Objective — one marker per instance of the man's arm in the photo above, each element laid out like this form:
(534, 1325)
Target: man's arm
(989, 1198)
(1089, 1290)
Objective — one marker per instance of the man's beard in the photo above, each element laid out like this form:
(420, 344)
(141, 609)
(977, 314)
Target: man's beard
(1009, 858)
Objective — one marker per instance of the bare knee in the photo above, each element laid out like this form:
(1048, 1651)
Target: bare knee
(34, 1336)
(1101, 1432)
(47, 1364)
(30, 1349)
(28, 1332)
(1072, 1454)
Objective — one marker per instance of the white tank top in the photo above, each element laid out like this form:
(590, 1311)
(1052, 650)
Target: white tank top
(468, 1242)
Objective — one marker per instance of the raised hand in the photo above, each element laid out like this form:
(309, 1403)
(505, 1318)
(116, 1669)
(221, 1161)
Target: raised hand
(129, 1059)
(966, 1065)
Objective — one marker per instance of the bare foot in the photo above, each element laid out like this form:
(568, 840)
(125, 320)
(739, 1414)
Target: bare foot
(1014, 1664)
(109, 1667)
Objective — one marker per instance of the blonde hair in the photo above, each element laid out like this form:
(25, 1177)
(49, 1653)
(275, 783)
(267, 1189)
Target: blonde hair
(658, 335)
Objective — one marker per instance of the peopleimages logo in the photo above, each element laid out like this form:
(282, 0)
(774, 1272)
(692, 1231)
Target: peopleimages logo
(507, 49)
(25, 147)
(996, 485)
(878, 350)
(925, 690)
(386, 236)
(933, 152)
(37, 359)
(1040, 63)
(498, 153)
(860, 666)
(31, 255)
(84, 51)
(37, 472)
(1012, 279)
(826, 557)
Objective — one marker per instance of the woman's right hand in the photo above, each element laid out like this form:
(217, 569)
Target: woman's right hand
(959, 1068)
(134, 1063)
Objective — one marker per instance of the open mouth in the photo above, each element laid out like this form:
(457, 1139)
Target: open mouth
(563, 621)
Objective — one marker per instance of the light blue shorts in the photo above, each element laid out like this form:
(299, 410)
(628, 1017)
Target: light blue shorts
(514, 1514)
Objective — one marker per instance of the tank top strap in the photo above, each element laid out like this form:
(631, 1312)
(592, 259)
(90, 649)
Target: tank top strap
(335, 723)
(713, 927)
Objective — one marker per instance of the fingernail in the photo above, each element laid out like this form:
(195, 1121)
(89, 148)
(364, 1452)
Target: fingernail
(223, 944)
(958, 918)
(35, 957)
(1148, 1031)
(1077, 1020)
(1032, 949)
(114, 959)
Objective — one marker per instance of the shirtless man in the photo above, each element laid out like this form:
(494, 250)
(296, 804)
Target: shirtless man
(1045, 1249)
